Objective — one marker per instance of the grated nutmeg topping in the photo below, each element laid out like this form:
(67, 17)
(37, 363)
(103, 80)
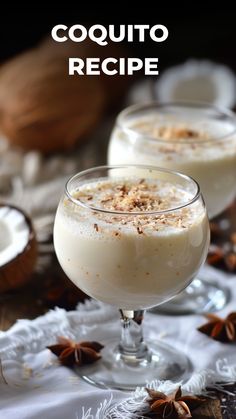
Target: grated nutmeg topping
(170, 132)
(176, 133)
(139, 196)
(136, 196)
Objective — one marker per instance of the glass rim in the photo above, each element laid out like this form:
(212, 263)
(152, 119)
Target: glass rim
(128, 213)
(130, 110)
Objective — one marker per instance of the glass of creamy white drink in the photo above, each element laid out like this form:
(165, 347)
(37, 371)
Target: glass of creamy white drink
(134, 237)
(196, 139)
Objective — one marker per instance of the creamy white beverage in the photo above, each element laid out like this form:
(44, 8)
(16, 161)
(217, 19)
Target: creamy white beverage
(194, 142)
(122, 241)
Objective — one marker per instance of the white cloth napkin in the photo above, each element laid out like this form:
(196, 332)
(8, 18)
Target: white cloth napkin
(34, 386)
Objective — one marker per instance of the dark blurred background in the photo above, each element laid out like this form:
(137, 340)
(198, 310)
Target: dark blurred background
(194, 31)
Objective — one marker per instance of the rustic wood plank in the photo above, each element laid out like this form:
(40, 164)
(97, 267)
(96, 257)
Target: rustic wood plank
(45, 290)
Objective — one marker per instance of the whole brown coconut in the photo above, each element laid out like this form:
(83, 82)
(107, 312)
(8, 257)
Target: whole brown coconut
(42, 107)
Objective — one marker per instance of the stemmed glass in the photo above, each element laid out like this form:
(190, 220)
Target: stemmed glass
(196, 139)
(132, 236)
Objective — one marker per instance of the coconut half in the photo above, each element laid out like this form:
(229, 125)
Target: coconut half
(18, 248)
(197, 80)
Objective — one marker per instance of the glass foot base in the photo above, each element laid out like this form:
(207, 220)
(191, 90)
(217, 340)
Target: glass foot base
(199, 297)
(112, 371)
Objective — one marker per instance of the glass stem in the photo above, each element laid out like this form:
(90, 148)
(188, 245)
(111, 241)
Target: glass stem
(132, 348)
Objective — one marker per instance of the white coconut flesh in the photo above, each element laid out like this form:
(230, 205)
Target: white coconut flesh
(200, 80)
(14, 233)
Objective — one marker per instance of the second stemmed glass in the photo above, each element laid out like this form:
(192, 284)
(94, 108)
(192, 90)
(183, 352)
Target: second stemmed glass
(197, 139)
(132, 236)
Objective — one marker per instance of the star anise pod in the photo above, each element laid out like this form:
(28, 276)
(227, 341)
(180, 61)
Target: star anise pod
(172, 406)
(223, 330)
(72, 353)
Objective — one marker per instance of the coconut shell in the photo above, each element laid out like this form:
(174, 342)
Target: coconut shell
(42, 107)
(18, 271)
